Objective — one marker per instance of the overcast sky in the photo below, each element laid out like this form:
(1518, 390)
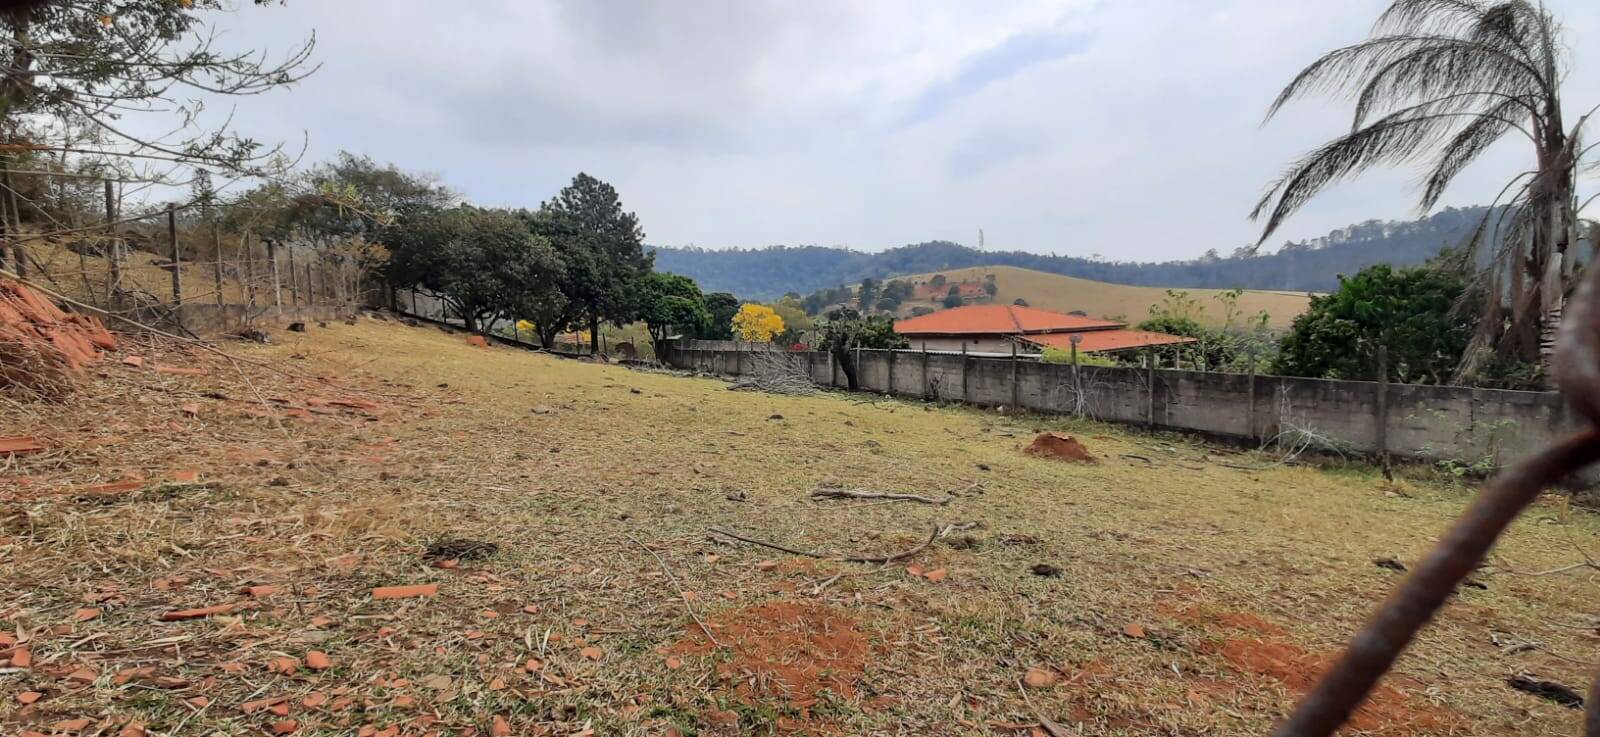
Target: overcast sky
(1126, 128)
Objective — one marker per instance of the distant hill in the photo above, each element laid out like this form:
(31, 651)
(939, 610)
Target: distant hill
(1305, 266)
(1115, 301)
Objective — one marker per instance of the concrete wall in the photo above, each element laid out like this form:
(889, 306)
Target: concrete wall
(972, 343)
(1424, 422)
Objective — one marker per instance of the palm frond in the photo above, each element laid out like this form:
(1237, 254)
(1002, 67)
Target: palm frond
(1399, 138)
(1466, 75)
(1350, 69)
(1404, 16)
(1470, 142)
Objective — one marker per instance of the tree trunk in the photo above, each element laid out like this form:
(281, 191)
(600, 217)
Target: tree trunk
(547, 336)
(594, 334)
(848, 365)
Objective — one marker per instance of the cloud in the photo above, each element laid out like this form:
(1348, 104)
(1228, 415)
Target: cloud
(1127, 128)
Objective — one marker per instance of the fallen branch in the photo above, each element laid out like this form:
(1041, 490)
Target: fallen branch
(846, 558)
(681, 594)
(826, 493)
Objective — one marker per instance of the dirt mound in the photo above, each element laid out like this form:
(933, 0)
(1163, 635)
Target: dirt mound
(1059, 446)
(42, 346)
(793, 651)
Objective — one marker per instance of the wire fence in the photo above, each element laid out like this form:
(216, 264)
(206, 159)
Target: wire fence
(153, 266)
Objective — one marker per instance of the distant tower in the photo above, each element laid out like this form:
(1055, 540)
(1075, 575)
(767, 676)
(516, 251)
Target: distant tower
(980, 239)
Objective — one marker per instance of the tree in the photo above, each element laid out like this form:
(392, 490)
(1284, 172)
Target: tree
(721, 307)
(953, 300)
(668, 301)
(1412, 311)
(813, 303)
(796, 323)
(90, 63)
(937, 280)
(868, 293)
(483, 263)
(844, 330)
(75, 72)
(590, 224)
(991, 288)
(757, 323)
(1442, 81)
(1020, 302)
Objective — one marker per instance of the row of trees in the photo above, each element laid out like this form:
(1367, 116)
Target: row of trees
(576, 262)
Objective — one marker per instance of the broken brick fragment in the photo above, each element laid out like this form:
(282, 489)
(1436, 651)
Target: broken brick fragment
(405, 592)
(20, 446)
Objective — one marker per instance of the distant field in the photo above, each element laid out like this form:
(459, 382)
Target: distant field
(1100, 299)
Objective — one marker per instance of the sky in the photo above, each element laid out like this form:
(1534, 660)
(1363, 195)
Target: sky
(1131, 129)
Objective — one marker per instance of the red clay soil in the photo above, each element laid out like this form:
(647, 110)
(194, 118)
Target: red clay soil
(1389, 712)
(1059, 446)
(37, 337)
(793, 651)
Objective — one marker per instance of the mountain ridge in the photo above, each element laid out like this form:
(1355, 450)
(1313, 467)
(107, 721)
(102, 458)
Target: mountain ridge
(1311, 265)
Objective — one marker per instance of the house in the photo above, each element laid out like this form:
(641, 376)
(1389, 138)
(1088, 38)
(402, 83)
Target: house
(996, 328)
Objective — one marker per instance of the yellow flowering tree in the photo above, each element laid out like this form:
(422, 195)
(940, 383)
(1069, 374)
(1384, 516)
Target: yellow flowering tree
(756, 323)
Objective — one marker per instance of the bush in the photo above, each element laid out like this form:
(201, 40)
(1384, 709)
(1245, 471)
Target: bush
(1423, 315)
(1064, 355)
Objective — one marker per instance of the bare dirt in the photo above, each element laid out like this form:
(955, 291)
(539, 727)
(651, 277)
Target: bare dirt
(1061, 447)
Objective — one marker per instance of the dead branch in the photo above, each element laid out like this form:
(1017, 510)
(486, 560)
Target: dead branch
(831, 493)
(846, 558)
(681, 594)
(775, 372)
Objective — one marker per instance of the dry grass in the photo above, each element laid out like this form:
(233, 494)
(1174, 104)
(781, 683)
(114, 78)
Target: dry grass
(1103, 299)
(1193, 598)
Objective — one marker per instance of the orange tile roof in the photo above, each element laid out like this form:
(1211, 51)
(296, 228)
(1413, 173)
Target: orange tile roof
(1094, 341)
(997, 320)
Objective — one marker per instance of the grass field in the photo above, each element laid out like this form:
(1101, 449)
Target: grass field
(1102, 299)
(1189, 597)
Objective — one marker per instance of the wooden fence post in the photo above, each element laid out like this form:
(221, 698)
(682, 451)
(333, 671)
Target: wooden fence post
(1250, 403)
(294, 284)
(965, 396)
(1077, 378)
(113, 251)
(1016, 383)
(890, 363)
(1382, 434)
(925, 370)
(1150, 379)
(248, 257)
(216, 258)
(19, 254)
(272, 271)
(311, 286)
(177, 258)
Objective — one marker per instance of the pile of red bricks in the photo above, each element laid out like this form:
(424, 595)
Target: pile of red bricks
(37, 336)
